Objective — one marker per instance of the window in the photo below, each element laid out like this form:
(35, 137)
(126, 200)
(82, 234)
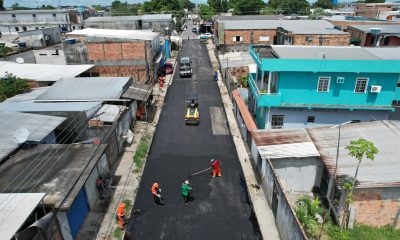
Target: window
(13, 15)
(34, 15)
(264, 38)
(355, 121)
(361, 85)
(54, 15)
(277, 121)
(23, 28)
(17, 29)
(309, 39)
(237, 39)
(323, 84)
(36, 28)
(311, 119)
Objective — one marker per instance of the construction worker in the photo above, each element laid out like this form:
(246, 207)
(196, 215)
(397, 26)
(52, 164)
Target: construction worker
(216, 166)
(121, 215)
(156, 192)
(186, 192)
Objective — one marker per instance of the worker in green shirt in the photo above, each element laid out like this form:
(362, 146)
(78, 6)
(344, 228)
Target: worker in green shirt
(186, 192)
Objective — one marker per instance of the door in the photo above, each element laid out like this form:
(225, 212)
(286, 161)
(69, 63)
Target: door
(77, 212)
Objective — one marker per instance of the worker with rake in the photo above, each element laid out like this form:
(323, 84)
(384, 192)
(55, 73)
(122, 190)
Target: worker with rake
(216, 166)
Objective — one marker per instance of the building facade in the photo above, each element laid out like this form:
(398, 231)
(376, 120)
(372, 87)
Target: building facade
(375, 35)
(40, 38)
(14, 22)
(310, 86)
(116, 53)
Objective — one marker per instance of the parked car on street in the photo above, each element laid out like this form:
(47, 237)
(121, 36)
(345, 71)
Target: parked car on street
(168, 68)
(185, 68)
(205, 36)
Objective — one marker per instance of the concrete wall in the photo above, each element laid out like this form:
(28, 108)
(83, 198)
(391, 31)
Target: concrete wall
(92, 192)
(157, 26)
(119, 24)
(290, 170)
(322, 39)
(45, 56)
(64, 225)
(297, 117)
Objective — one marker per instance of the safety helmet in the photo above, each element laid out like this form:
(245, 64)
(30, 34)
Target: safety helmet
(187, 182)
(155, 185)
(212, 160)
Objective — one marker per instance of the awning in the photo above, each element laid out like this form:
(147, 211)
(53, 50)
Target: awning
(137, 91)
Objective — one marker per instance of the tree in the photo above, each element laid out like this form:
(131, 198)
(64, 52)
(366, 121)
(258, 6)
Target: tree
(248, 7)
(268, 11)
(11, 86)
(123, 8)
(374, 1)
(358, 149)
(47, 7)
(325, 4)
(290, 6)
(206, 12)
(4, 50)
(16, 6)
(318, 13)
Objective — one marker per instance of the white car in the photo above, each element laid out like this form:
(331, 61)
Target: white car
(206, 35)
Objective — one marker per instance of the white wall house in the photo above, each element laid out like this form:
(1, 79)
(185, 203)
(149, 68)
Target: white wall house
(13, 22)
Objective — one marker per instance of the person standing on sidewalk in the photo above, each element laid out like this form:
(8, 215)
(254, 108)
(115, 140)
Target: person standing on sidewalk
(186, 192)
(216, 166)
(156, 192)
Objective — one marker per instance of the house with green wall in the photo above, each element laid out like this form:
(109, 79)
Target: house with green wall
(313, 86)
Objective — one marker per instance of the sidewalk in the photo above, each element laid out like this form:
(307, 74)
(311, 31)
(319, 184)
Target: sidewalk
(102, 224)
(261, 207)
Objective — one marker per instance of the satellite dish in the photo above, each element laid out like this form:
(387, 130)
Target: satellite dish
(323, 55)
(19, 60)
(21, 135)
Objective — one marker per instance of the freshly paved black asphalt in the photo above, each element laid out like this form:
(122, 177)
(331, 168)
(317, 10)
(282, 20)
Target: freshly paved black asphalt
(220, 209)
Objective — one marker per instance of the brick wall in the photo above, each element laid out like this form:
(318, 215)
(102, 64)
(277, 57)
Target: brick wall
(376, 207)
(137, 72)
(345, 24)
(246, 35)
(116, 51)
(327, 40)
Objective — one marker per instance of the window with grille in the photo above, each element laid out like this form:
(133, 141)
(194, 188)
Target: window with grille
(361, 85)
(277, 121)
(237, 39)
(323, 84)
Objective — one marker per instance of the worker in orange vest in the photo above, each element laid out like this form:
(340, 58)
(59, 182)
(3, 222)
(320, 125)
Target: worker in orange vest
(216, 166)
(121, 215)
(156, 192)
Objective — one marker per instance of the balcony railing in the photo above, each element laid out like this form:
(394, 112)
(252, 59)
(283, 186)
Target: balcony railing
(263, 98)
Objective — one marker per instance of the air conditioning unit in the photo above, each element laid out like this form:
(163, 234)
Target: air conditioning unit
(340, 80)
(375, 89)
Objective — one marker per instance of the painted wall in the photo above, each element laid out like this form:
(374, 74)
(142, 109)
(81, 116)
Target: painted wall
(92, 192)
(290, 170)
(296, 118)
(64, 225)
(44, 56)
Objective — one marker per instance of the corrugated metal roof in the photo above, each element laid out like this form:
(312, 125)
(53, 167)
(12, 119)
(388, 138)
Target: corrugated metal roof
(248, 17)
(295, 26)
(109, 113)
(284, 144)
(30, 11)
(112, 19)
(149, 17)
(86, 89)
(384, 28)
(382, 172)
(385, 53)
(138, 91)
(42, 72)
(291, 150)
(27, 97)
(331, 52)
(113, 33)
(48, 107)
(15, 209)
(39, 126)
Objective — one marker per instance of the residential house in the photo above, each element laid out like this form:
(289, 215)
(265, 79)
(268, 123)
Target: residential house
(50, 55)
(39, 75)
(343, 22)
(68, 179)
(116, 53)
(154, 22)
(40, 38)
(238, 35)
(375, 10)
(310, 86)
(18, 129)
(375, 35)
(13, 22)
(304, 162)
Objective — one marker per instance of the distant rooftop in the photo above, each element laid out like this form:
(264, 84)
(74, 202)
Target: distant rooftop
(112, 33)
(149, 17)
(42, 72)
(385, 29)
(86, 89)
(335, 53)
(248, 17)
(295, 26)
(30, 11)
(112, 19)
(30, 107)
(38, 126)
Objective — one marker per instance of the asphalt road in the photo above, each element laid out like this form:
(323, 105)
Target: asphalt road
(220, 209)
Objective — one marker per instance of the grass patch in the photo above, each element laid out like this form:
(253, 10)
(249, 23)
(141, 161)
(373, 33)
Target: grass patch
(118, 232)
(362, 232)
(141, 152)
(128, 205)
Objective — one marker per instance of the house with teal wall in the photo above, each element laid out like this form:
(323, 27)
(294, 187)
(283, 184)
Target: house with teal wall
(313, 86)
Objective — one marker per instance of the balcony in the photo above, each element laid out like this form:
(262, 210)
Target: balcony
(262, 97)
